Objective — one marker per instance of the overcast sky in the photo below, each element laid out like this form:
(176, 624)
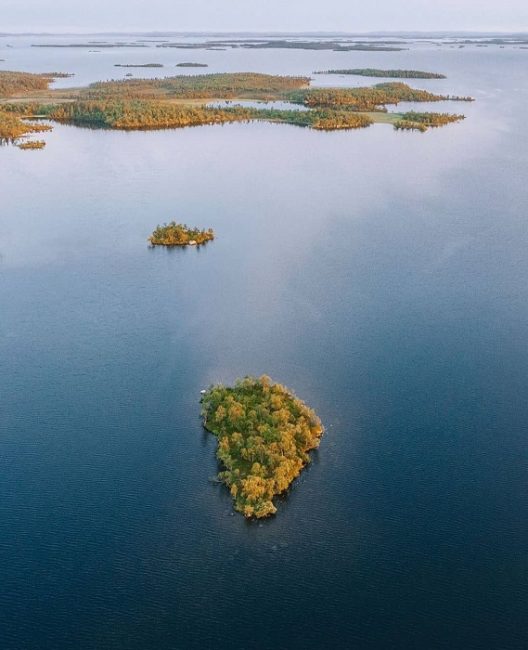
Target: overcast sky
(263, 15)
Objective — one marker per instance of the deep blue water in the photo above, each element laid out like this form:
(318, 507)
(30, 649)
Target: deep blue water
(381, 275)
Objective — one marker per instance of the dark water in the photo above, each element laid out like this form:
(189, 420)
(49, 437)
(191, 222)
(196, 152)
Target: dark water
(382, 275)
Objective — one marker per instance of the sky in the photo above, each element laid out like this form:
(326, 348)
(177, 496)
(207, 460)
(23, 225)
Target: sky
(263, 15)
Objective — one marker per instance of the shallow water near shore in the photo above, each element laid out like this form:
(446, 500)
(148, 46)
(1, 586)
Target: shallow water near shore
(381, 275)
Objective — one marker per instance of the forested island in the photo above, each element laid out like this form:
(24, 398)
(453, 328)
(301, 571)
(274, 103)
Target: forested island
(190, 64)
(389, 74)
(265, 434)
(138, 65)
(183, 100)
(178, 234)
(413, 121)
(32, 144)
(264, 44)
(372, 98)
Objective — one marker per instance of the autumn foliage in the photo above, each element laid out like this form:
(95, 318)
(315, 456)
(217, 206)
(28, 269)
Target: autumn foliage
(14, 83)
(369, 98)
(264, 435)
(12, 128)
(205, 86)
(178, 234)
(413, 121)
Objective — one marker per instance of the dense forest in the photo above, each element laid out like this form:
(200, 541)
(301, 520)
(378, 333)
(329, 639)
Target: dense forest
(178, 234)
(394, 74)
(264, 435)
(13, 83)
(322, 120)
(139, 115)
(369, 98)
(206, 86)
(12, 128)
(136, 114)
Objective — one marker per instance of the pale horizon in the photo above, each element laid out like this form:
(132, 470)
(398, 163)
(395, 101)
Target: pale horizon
(264, 17)
(271, 32)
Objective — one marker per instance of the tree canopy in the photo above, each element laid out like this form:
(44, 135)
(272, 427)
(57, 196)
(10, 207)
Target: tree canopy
(265, 434)
(178, 234)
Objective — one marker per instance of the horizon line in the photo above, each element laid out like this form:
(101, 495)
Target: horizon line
(193, 32)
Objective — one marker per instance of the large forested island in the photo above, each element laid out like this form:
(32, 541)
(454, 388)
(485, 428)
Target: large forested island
(188, 100)
(265, 434)
(178, 234)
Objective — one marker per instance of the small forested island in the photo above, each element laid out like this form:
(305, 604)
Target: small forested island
(413, 121)
(390, 74)
(192, 65)
(265, 434)
(32, 144)
(178, 234)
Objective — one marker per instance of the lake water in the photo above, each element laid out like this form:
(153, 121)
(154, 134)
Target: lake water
(381, 275)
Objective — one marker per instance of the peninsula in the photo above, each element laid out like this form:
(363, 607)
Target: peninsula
(265, 434)
(377, 72)
(413, 121)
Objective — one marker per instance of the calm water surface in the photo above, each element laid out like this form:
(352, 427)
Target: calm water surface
(382, 275)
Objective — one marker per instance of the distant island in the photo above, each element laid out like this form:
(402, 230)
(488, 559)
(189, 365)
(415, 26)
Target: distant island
(265, 434)
(88, 45)
(390, 74)
(32, 144)
(192, 65)
(263, 44)
(138, 65)
(177, 234)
